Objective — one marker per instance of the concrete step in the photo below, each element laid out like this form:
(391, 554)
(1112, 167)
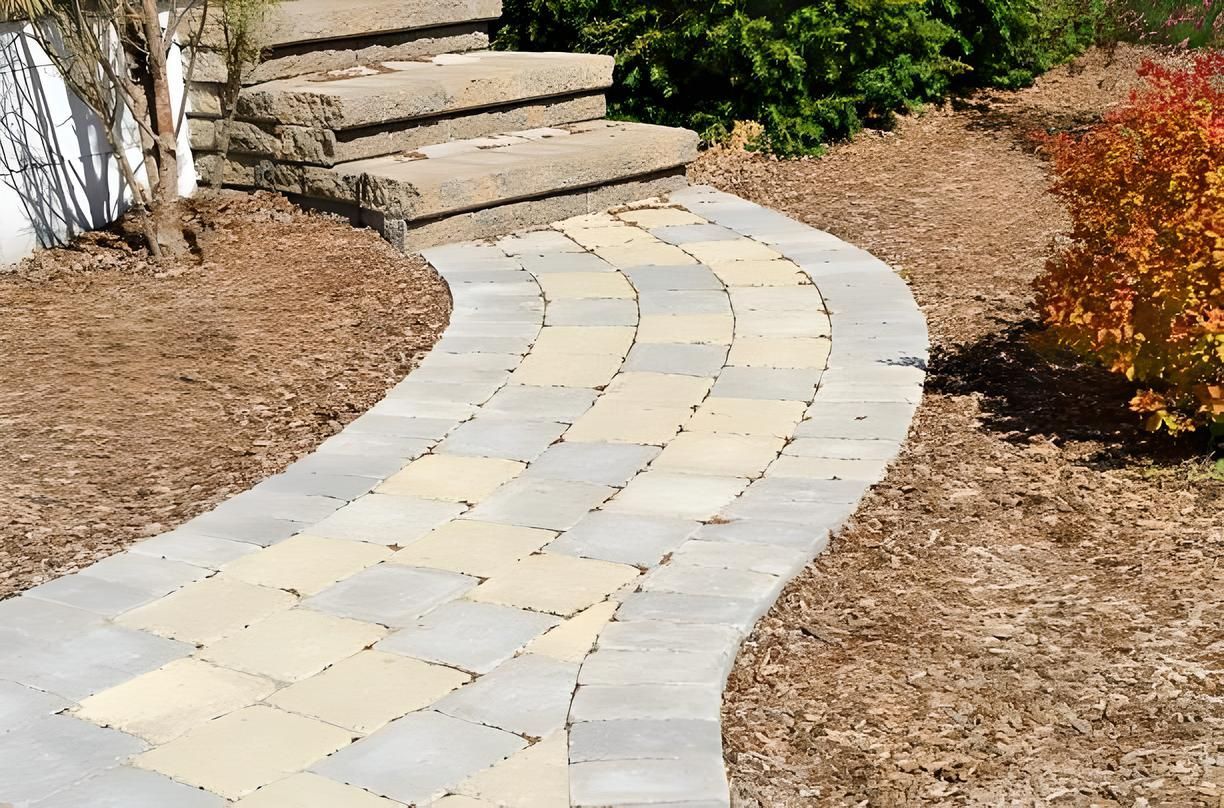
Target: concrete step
(390, 92)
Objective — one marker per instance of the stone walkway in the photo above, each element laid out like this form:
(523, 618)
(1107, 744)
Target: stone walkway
(519, 580)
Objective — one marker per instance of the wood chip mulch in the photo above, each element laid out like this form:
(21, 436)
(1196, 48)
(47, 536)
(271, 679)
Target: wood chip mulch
(1029, 610)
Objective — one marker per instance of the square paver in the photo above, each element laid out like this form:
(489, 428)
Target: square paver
(55, 752)
(567, 369)
(644, 252)
(760, 273)
(495, 437)
(660, 702)
(683, 358)
(573, 639)
(306, 790)
(128, 787)
(554, 584)
(306, 564)
(163, 704)
(563, 285)
(692, 328)
(104, 598)
(391, 595)
(420, 757)
(721, 454)
(780, 352)
(585, 339)
(562, 404)
(528, 695)
(724, 251)
(237, 753)
(690, 579)
(658, 389)
(201, 551)
(549, 504)
(292, 645)
(685, 496)
(390, 686)
(536, 777)
(744, 416)
(473, 548)
(452, 477)
(386, 519)
(612, 421)
(209, 610)
(473, 636)
(21, 705)
(625, 538)
(597, 463)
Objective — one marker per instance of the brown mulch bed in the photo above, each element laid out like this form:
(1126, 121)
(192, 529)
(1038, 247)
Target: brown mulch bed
(1029, 610)
(134, 396)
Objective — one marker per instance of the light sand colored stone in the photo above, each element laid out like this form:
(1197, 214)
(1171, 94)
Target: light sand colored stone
(658, 389)
(567, 370)
(719, 453)
(308, 790)
(536, 777)
(585, 339)
(650, 218)
(475, 548)
(760, 273)
(161, 705)
(605, 234)
(748, 416)
(580, 285)
(453, 478)
(614, 422)
(686, 328)
(460, 801)
(780, 352)
(208, 610)
(293, 645)
(368, 690)
(688, 496)
(572, 640)
(640, 253)
(306, 564)
(237, 753)
(558, 585)
(715, 254)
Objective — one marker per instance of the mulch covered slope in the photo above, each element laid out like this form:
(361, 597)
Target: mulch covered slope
(133, 397)
(1029, 610)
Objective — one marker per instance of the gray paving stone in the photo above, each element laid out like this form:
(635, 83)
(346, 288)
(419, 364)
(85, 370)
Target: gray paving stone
(802, 300)
(471, 393)
(536, 242)
(157, 576)
(684, 302)
(88, 663)
(550, 504)
(105, 598)
(516, 346)
(128, 787)
(336, 485)
(644, 739)
(782, 505)
(386, 519)
(562, 404)
(400, 426)
(784, 490)
(509, 438)
(453, 409)
(592, 312)
(419, 757)
(807, 538)
(646, 635)
(55, 752)
(362, 443)
(681, 608)
(620, 782)
(565, 262)
(255, 529)
(843, 449)
(458, 256)
(689, 579)
(764, 558)
(23, 618)
(659, 702)
(390, 595)
(680, 358)
(529, 695)
(450, 375)
(279, 505)
(782, 384)
(672, 279)
(689, 233)
(656, 667)
(850, 391)
(200, 551)
(476, 637)
(624, 537)
(439, 359)
(860, 420)
(21, 705)
(598, 463)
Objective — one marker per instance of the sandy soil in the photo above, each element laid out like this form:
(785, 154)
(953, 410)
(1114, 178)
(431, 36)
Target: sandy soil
(133, 397)
(1029, 610)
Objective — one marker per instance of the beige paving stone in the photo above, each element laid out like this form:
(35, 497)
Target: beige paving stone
(651, 218)
(760, 273)
(572, 640)
(535, 777)
(306, 564)
(688, 496)
(686, 328)
(161, 705)
(715, 254)
(828, 468)
(461, 801)
(208, 610)
(237, 753)
(567, 370)
(308, 790)
(587, 220)
(615, 422)
(722, 454)
(658, 389)
(748, 416)
(293, 645)
(780, 352)
(786, 324)
(581, 285)
(368, 690)
(472, 547)
(613, 234)
(585, 339)
(453, 478)
(558, 585)
(650, 252)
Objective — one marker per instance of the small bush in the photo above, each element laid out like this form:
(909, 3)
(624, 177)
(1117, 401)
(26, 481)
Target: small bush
(1140, 287)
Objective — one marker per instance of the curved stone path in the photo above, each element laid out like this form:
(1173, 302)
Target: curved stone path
(521, 579)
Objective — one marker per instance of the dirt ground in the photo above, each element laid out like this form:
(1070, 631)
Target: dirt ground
(133, 397)
(1029, 610)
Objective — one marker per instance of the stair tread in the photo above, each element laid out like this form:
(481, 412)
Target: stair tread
(473, 174)
(296, 21)
(398, 91)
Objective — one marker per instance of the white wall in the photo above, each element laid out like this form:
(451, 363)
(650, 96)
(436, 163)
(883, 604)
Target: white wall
(57, 175)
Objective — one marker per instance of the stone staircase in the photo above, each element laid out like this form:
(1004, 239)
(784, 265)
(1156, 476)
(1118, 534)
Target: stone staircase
(394, 113)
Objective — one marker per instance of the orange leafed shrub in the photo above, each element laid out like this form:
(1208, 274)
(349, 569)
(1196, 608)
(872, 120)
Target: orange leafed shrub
(1140, 288)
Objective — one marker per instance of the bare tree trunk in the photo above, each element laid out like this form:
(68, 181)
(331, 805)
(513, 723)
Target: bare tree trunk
(165, 213)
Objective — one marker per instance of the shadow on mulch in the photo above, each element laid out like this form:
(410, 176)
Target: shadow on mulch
(1027, 394)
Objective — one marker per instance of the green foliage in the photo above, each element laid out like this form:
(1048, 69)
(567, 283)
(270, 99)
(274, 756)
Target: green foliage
(808, 71)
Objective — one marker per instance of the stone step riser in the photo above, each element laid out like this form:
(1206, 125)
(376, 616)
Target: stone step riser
(325, 147)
